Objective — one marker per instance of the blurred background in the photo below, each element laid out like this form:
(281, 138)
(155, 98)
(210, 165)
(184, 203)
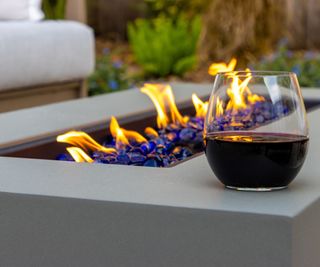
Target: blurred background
(177, 40)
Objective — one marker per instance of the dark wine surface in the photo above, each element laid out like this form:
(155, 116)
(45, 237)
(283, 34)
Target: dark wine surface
(256, 160)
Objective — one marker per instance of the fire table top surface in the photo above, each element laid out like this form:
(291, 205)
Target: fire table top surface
(190, 184)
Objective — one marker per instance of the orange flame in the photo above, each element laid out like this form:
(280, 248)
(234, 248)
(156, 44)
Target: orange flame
(117, 133)
(255, 98)
(236, 93)
(222, 67)
(151, 131)
(219, 107)
(239, 94)
(122, 135)
(152, 90)
(133, 135)
(200, 106)
(83, 140)
(162, 97)
(79, 155)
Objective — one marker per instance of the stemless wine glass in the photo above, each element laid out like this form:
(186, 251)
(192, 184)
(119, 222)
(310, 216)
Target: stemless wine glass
(256, 130)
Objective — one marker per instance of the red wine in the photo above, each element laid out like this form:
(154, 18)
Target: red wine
(256, 160)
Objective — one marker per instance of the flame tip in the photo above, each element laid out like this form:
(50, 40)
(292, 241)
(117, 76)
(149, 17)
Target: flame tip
(79, 155)
(215, 68)
(200, 106)
(162, 97)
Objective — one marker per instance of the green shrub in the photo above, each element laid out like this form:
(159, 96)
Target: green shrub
(54, 9)
(174, 8)
(305, 64)
(163, 46)
(109, 76)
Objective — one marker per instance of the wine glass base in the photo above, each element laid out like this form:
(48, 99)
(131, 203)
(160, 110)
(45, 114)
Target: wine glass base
(256, 189)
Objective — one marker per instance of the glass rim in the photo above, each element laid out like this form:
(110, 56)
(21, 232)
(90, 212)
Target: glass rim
(257, 73)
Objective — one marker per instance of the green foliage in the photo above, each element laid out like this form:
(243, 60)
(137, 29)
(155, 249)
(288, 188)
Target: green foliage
(163, 46)
(54, 9)
(305, 64)
(175, 8)
(109, 76)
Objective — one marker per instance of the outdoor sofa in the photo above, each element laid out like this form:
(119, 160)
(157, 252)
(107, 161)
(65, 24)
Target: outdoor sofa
(43, 62)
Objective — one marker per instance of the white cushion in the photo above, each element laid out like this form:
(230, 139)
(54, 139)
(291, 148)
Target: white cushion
(35, 53)
(21, 10)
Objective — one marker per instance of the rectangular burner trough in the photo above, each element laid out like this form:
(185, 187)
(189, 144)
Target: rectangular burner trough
(56, 213)
(49, 148)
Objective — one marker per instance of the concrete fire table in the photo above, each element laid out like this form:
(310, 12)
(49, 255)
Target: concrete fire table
(55, 213)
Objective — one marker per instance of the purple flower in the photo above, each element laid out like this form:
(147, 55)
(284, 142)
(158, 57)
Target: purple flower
(117, 64)
(309, 55)
(113, 84)
(289, 54)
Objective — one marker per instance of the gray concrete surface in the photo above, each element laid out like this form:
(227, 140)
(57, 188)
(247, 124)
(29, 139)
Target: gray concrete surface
(67, 214)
